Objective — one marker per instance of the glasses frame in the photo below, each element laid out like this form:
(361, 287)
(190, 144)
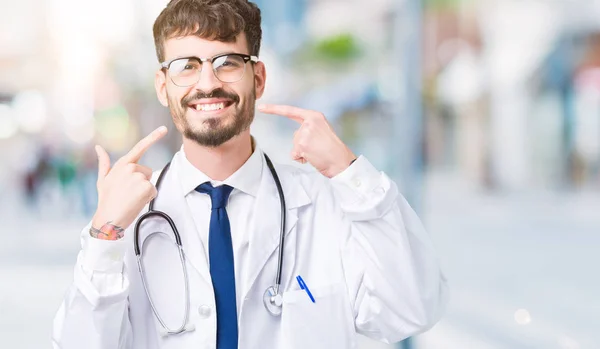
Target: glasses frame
(247, 58)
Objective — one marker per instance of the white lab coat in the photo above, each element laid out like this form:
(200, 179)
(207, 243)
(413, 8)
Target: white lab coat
(357, 244)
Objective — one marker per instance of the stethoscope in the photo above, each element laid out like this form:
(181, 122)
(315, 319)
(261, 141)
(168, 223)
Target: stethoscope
(272, 299)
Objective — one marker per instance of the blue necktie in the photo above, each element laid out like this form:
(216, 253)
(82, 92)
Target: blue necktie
(222, 273)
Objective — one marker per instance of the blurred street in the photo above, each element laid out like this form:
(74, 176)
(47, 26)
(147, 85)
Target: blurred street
(521, 268)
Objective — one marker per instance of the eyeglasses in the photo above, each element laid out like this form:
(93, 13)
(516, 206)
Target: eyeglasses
(228, 68)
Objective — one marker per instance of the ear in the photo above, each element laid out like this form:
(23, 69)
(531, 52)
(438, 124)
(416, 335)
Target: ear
(160, 84)
(260, 78)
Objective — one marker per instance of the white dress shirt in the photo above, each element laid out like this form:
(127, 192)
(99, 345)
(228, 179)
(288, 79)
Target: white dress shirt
(240, 207)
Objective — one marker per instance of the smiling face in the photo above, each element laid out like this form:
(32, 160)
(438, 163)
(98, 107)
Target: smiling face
(210, 112)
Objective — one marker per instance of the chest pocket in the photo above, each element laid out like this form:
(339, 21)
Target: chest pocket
(327, 323)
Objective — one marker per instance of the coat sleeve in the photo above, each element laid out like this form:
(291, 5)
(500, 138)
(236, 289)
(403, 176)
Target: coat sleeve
(94, 311)
(391, 270)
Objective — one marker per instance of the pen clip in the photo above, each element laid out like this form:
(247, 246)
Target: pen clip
(304, 287)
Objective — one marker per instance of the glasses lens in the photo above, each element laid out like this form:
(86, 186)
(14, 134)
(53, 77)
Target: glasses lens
(185, 71)
(229, 68)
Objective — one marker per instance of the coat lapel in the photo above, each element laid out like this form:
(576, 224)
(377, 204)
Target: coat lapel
(171, 201)
(265, 233)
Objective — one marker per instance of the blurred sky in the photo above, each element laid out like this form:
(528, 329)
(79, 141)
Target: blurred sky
(486, 112)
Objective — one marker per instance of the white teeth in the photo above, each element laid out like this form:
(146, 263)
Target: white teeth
(210, 107)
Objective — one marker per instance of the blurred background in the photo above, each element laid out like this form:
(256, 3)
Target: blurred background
(486, 113)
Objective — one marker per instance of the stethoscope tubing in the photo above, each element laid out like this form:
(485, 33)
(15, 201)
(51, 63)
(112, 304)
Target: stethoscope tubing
(156, 213)
(283, 215)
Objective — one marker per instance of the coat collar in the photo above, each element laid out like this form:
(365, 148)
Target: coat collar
(265, 231)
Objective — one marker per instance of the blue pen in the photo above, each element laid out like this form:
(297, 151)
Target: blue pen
(304, 287)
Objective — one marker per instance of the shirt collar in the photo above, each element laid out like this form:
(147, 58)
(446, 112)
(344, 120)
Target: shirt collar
(246, 179)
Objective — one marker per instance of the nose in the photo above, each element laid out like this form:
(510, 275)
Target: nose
(207, 81)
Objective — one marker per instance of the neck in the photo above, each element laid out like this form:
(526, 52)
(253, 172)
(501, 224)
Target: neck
(221, 162)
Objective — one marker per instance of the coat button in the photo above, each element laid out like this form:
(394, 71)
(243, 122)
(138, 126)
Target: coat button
(204, 311)
(357, 182)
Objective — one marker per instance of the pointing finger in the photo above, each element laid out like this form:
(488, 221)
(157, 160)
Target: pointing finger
(136, 153)
(294, 113)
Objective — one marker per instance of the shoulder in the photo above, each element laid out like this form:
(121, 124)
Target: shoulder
(157, 173)
(313, 182)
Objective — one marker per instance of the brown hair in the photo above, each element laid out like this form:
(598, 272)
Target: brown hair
(220, 20)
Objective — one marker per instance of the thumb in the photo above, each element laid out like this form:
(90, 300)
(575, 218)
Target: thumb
(297, 156)
(103, 162)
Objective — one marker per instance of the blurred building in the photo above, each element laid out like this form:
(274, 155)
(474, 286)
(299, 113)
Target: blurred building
(511, 105)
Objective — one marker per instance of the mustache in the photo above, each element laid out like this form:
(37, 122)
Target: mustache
(216, 93)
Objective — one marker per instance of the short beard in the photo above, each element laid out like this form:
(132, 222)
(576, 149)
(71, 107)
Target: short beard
(216, 134)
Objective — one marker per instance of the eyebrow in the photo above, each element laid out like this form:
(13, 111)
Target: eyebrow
(218, 54)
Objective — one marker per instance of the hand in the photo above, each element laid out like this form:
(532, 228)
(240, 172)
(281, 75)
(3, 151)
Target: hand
(315, 141)
(124, 189)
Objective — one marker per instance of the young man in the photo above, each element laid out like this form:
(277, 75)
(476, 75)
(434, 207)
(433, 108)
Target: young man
(356, 259)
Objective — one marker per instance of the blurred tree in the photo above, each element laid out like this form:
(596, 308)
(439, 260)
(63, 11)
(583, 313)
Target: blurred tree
(340, 47)
(443, 4)
(329, 52)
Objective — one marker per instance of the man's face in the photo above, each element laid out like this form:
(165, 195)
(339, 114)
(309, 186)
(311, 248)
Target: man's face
(210, 112)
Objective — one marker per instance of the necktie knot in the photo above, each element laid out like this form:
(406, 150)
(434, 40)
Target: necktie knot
(218, 195)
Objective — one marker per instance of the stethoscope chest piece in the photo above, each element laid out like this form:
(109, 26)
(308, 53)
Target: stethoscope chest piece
(273, 301)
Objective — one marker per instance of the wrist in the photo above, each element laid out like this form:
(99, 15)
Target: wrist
(100, 219)
(342, 165)
(107, 231)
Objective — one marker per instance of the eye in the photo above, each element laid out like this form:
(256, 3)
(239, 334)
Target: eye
(229, 62)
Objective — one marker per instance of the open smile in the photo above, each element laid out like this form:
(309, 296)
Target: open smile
(210, 105)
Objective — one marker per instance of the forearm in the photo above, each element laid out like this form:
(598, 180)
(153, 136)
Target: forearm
(94, 312)
(398, 284)
(392, 272)
(88, 318)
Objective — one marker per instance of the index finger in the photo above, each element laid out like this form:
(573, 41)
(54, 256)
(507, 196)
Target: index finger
(140, 148)
(294, 113)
